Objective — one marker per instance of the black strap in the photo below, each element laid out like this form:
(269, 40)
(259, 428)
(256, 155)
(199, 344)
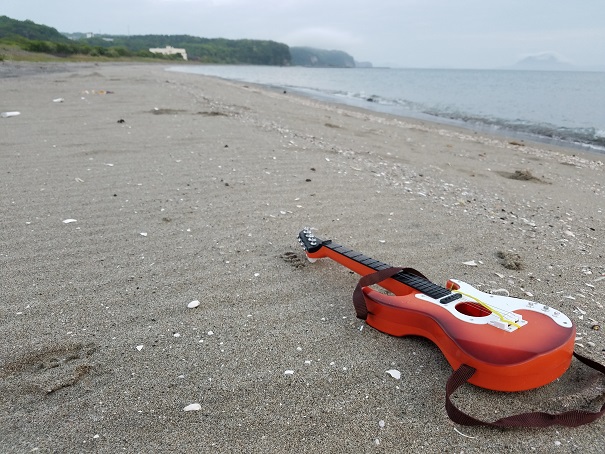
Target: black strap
(572, 418)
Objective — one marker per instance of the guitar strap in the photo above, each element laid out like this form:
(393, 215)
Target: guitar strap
(359, 300)
(572, 418)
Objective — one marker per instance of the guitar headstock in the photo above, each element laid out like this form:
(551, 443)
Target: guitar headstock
(309, 241)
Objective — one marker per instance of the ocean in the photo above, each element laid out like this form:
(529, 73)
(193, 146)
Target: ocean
(559, 107)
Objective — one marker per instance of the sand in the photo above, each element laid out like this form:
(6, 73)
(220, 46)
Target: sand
(188, 188)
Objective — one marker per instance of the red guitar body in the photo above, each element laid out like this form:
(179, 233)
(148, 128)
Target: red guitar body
(514, 344)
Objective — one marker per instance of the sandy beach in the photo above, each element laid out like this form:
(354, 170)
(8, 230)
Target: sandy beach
(129, 191)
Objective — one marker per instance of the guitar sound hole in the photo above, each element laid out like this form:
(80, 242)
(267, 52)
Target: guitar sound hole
(472, 309)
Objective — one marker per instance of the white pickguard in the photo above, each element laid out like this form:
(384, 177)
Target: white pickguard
(504, 305)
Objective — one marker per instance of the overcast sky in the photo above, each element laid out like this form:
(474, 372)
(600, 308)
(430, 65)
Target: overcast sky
(408, 33)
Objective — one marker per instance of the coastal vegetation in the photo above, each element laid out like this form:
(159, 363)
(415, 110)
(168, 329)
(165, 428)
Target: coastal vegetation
(20, 39)
(32, 37)
(24, 38)
(203, 50)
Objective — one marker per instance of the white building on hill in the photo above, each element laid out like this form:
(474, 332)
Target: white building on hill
(169, 50)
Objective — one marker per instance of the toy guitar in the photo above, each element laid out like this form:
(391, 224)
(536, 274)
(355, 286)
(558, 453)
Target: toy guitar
(514, 344)
(492, 341)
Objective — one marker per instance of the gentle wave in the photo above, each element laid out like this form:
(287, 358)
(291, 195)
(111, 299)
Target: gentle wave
(564, 108)
(585, 137)
(590, 137)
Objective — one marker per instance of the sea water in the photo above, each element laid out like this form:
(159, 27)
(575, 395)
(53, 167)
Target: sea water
(561, 107)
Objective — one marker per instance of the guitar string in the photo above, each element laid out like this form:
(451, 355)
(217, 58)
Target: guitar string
(500, 316)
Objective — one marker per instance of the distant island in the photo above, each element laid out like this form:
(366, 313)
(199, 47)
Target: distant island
(542, 62)
(36, 38)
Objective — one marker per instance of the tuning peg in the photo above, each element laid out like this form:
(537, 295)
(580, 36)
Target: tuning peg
(307, 239)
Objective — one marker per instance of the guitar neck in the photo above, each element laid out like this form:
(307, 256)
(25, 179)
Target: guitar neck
(364, 265)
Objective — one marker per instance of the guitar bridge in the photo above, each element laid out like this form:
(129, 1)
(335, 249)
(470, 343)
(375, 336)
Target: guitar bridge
(512, 323)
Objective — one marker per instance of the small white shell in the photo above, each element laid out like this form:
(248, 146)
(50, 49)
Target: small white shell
(193, 304)
(394, 373)
(193, 407)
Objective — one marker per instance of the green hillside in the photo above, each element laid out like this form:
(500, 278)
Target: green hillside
(33, 37)
(41, 39)
(204, 50)
(18, 30)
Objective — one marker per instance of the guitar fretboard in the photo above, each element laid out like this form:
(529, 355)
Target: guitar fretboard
(411, 280)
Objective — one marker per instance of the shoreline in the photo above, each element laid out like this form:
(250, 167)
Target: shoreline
(144, 190)
(572, 155)
(391, 108)
(498, 132)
